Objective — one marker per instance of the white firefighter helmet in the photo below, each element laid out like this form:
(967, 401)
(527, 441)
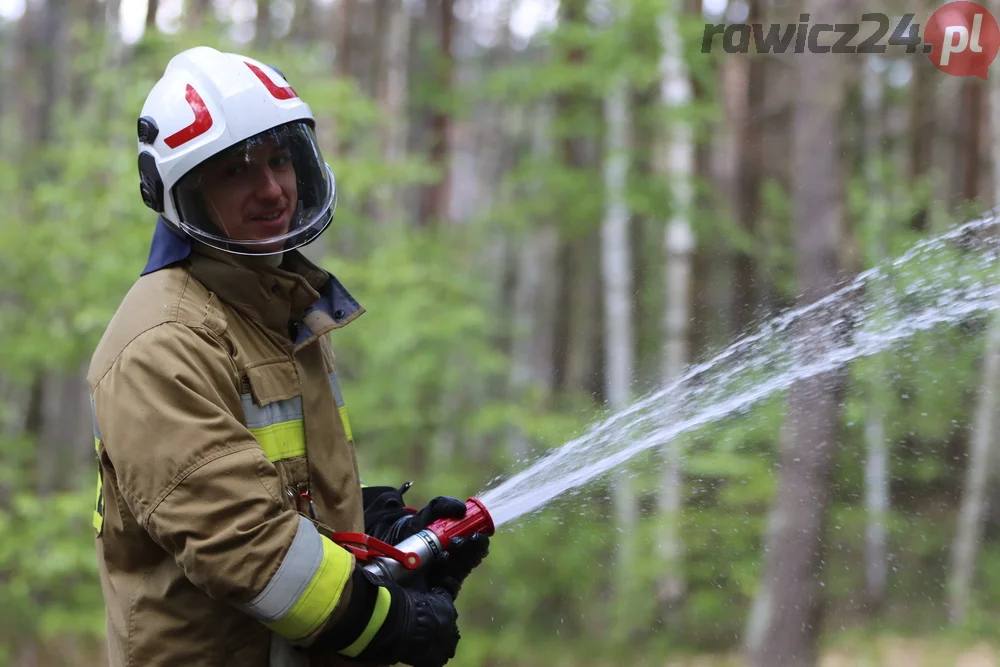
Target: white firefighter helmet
(225, 118)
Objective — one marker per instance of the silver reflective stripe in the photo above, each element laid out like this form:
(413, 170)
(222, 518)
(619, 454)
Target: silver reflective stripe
(93, 418)
(339, 397)
(272, 413)
(293, 575)
(283, 655)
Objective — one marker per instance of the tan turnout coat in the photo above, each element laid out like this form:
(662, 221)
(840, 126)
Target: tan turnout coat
(213, 428)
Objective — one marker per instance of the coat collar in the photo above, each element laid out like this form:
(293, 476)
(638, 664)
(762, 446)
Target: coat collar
(297, 291)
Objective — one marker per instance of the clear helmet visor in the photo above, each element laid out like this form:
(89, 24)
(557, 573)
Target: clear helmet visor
(267, 194)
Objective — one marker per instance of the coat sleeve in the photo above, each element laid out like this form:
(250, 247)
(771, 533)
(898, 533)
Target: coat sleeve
(195, 478)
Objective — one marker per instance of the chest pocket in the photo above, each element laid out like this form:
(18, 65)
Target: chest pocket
(272, 407)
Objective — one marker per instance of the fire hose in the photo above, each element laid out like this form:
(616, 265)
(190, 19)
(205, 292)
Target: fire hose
(400, 561)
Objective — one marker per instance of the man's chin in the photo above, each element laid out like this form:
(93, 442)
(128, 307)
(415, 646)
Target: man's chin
(265, 248)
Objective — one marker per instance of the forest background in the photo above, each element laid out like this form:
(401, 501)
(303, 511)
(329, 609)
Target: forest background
(548, 209)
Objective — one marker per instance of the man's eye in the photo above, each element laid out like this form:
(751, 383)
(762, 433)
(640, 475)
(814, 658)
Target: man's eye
(280, 160)
(236, 169)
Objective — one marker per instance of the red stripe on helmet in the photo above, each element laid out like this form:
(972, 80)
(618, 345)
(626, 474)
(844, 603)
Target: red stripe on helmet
(277, 93)
(202, 120)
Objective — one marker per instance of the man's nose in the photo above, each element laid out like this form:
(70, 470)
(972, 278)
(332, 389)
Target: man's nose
(267, 184)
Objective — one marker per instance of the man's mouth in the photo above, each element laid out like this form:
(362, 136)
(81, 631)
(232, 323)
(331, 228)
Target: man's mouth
(269, 217)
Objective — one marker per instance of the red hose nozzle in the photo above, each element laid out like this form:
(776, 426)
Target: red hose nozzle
(476, 520)
(418, 550)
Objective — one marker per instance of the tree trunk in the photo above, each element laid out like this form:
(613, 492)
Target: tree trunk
(746, 292)
(973, 511)
(877, 463)
(616, 271)
(62, 431)
(42, 39)
(303, 22)
(114, 46)
(262, 25)
(546, 256)
(788, 611)
(195, 13)
(716, 278)
(25, 81)
(393, 95)
(676, 163)
(434, 203)
(343, 16)
(379, 47)
(152, 7)
(974, 500)
(581, 334)
(921, 131)
(367, 31)
(972, 137)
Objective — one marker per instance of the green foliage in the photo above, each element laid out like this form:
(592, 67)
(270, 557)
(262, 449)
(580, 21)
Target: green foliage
(46, 546)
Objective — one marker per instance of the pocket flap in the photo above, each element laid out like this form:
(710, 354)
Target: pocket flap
(272, 381)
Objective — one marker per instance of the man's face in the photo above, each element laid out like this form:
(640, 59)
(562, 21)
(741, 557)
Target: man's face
(252, 194)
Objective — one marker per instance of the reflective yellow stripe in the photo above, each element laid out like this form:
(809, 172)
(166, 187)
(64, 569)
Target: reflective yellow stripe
(347, 423)
(379, 614)
(320, 596)
(283, 440)
(338, 397)
(277, 426)
(98, 520)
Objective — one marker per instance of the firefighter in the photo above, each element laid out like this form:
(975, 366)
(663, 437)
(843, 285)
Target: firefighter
(225, 452)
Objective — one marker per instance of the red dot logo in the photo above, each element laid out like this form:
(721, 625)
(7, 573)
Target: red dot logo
(965, 39)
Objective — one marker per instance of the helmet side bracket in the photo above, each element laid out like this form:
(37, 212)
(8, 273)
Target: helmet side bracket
(150, 183)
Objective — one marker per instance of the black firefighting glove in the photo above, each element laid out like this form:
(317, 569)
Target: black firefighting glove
(419, 628)
(388, 519)
(464, 555)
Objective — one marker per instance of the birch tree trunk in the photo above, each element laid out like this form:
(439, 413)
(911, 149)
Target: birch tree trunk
(394, 96)
(877, 463)
(616, 271)
(974, 502)
(788, 611)
(676, 163)
(973, 511)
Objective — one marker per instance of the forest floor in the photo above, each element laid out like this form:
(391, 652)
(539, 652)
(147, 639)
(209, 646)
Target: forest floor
(884, 652)
(910, 652)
